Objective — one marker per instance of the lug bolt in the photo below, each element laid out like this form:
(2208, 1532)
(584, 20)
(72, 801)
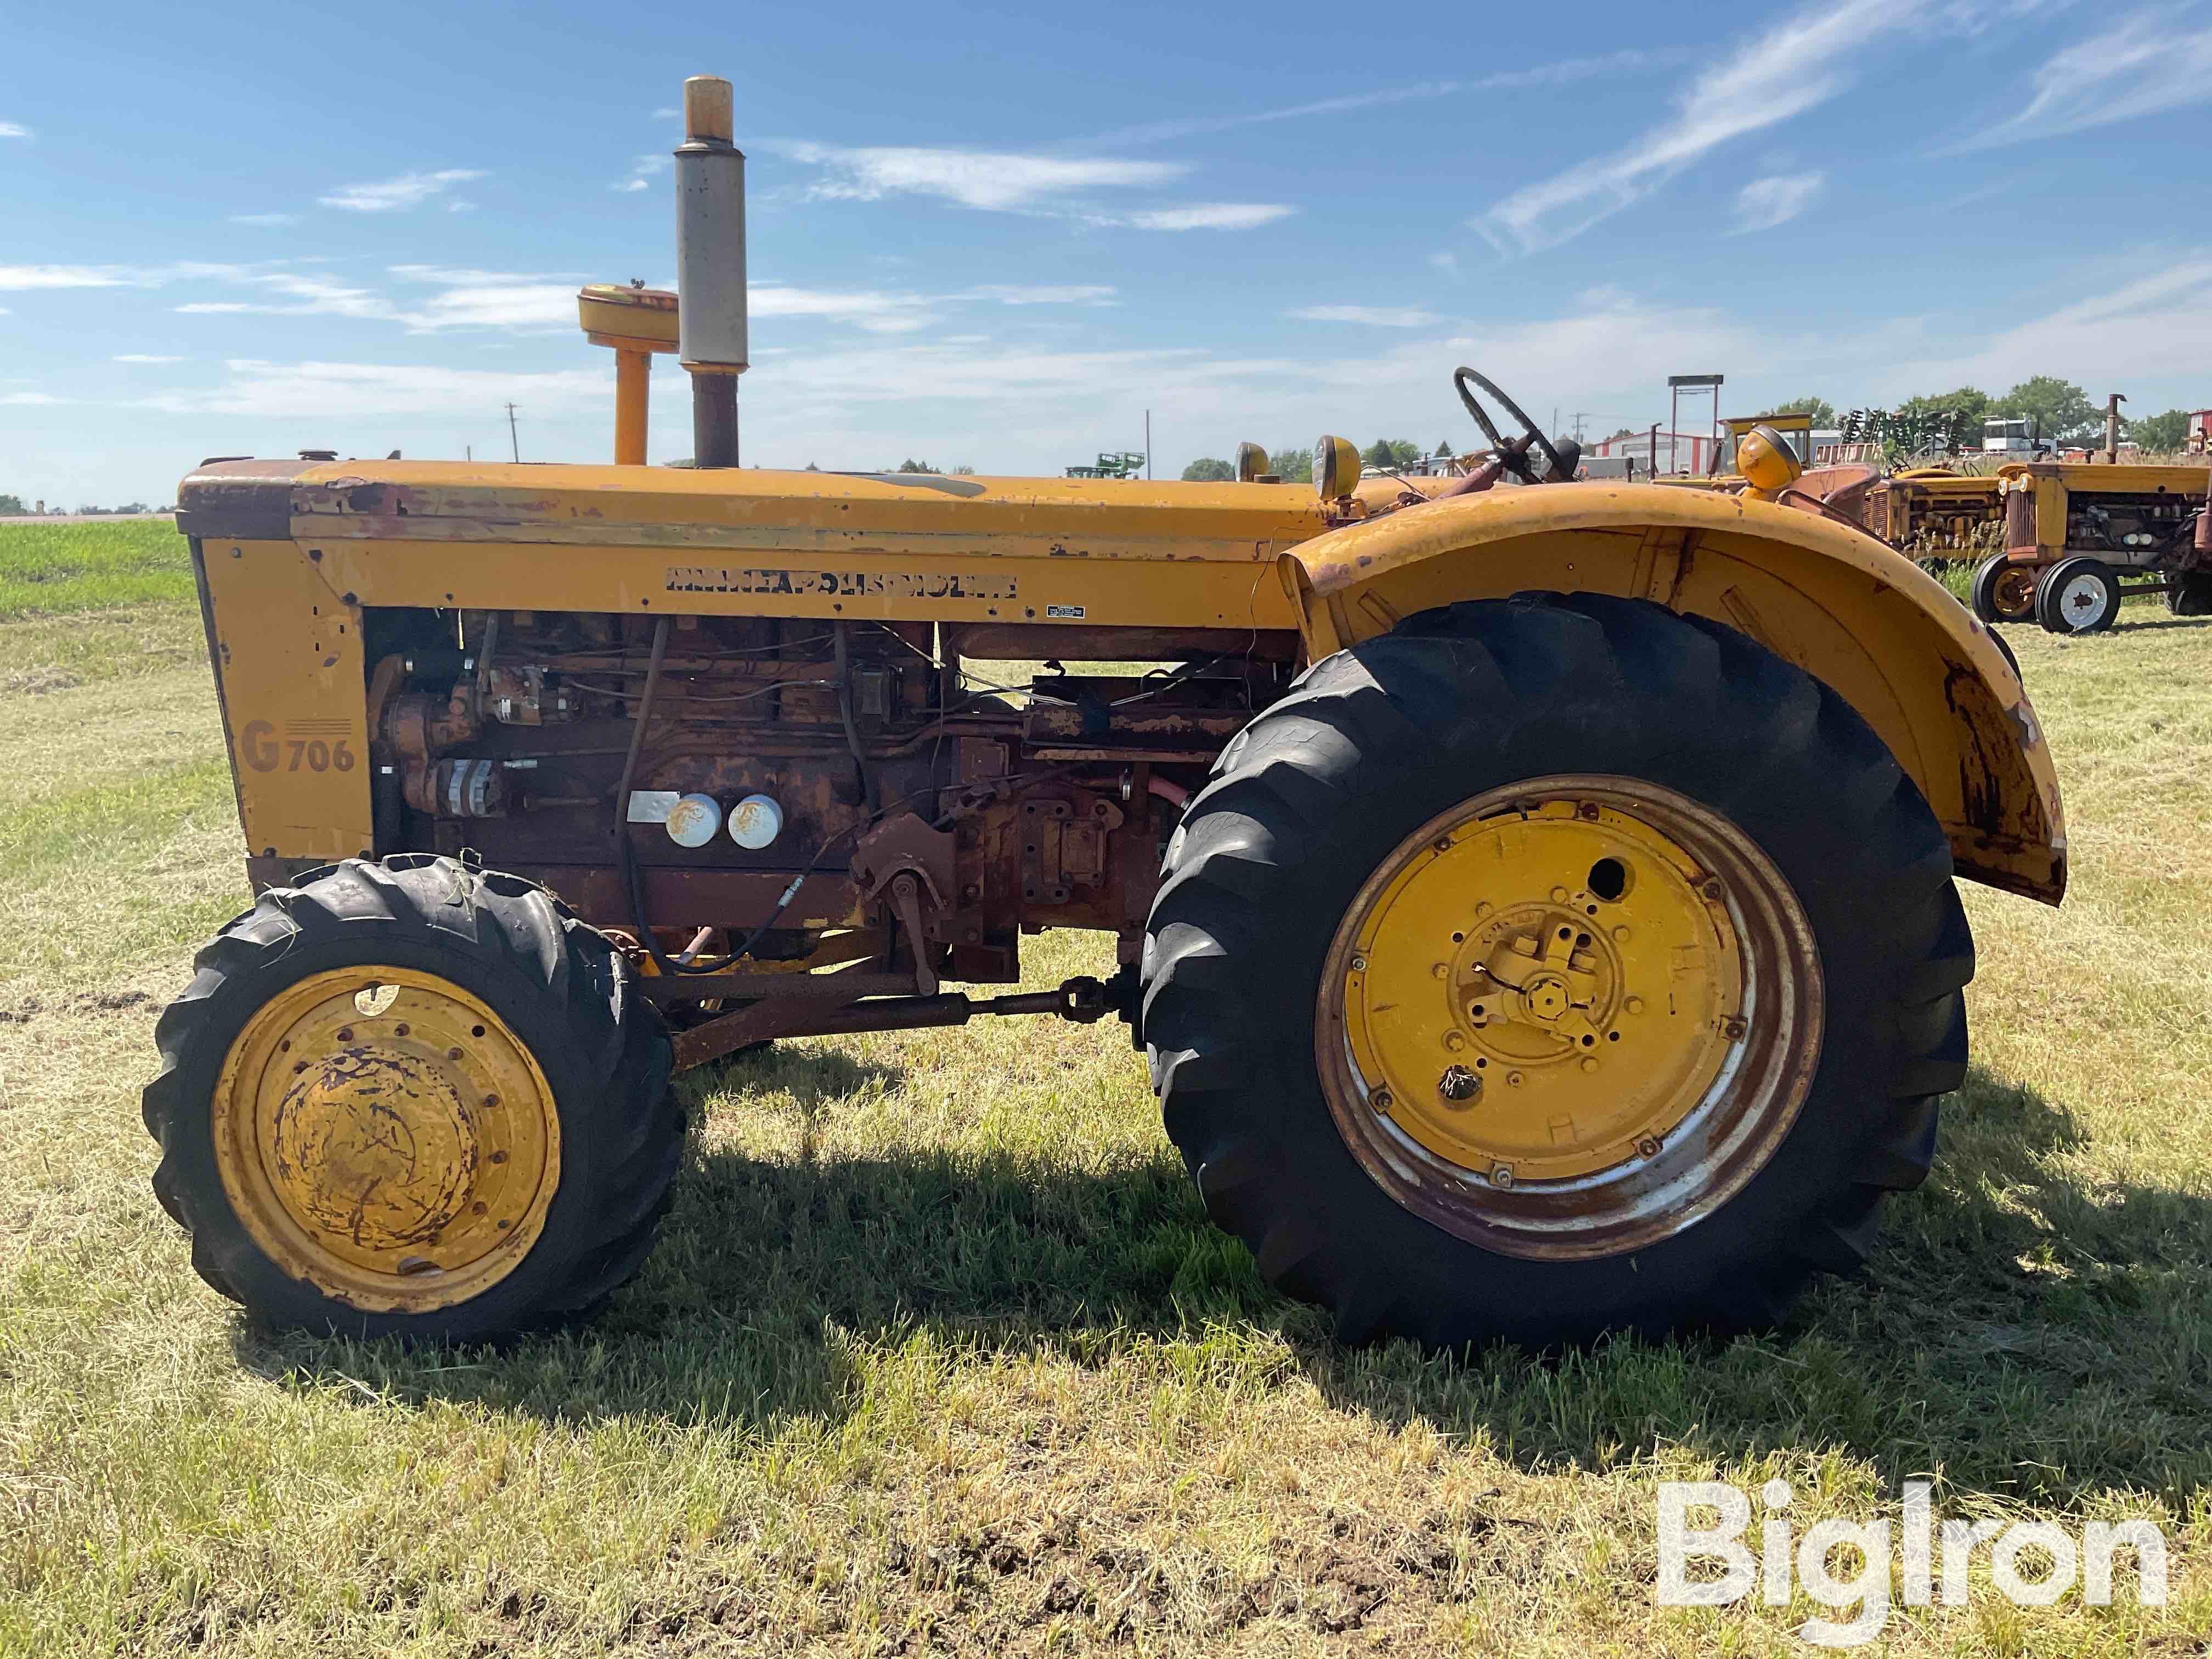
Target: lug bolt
(1441, 970)
(452, 1054)
(1454, 1041)
(1711, 890)
(1359, 964)
(1590, 1062)
(1513, 1079)
(1381, 1100)
(1502, 1176)
(1735, 1028)
(1482, 909)
(1620, 936)
(1648, 1147)
(1458, 1084)
(1634, 1004)
(1558, 895)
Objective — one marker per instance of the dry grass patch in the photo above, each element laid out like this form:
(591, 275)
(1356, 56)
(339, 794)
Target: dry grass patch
(939, 1352)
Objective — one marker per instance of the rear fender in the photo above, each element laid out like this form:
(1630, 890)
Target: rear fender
(1845, 608)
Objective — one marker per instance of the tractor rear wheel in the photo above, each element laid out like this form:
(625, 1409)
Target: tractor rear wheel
(2191, 594)
(1553, 966)
(409, 1098)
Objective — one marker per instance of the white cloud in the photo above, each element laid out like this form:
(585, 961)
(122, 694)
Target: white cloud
(314, 390)
(2141, 331)
(1372, 316)
(1446, 261)
(548, 306)
(1765, 203)
(1043, 294)
(457, 205)
(974, 179)
(264, 218)
(1536, 75)
(1205, 215)
(390, 195)
(872, 309)
(27, 399)
(1784, 73)
(14, 129)
(2151, 63)
(668, 115)
(143, 357)
(643, 170)
(21, 277)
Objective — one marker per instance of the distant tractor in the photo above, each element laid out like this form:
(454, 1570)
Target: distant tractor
(2082, 537)
(1123, 464)
(1536, 907)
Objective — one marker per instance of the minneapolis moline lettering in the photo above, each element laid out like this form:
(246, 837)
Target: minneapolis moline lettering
(841, 584)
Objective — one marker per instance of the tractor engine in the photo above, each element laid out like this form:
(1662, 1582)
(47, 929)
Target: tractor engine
(795, 790)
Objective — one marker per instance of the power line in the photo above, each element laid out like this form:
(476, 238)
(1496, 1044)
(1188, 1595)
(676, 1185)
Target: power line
(514, 443)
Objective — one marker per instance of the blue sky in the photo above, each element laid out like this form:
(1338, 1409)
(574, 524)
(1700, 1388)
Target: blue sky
(996, 236)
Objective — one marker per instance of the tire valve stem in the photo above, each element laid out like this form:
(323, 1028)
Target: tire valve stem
(1501, 1175)
(1381, 1100)
(1735, 1028)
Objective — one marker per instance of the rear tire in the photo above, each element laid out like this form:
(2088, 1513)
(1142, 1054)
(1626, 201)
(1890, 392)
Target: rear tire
(2191, 594)
(548, 999)
(1372, 745)
(2078, 595)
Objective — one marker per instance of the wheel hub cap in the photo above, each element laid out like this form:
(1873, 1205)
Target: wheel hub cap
(382, 1134)
(1568, 1015)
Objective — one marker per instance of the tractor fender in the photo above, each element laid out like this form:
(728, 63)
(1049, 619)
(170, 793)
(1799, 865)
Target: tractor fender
(1849, 610)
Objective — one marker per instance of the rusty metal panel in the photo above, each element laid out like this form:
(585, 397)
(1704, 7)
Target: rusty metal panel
(287, 651)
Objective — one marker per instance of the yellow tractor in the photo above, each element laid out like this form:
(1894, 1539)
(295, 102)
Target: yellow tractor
(1535, 906)
(2079, 538)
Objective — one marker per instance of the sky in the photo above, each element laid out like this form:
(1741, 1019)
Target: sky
(995, 237)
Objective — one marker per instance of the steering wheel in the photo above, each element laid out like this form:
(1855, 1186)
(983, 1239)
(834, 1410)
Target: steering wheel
(1513, 453)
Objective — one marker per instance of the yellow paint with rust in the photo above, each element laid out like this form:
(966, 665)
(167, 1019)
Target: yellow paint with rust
(290, 669)
(2054, 484)
(1098, 553)
(1853, 613)
(1545, 992)
(384, 1136)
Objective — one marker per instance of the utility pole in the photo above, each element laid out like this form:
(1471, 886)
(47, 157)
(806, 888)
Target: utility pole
(1148, 444)
(514, 443)
(1580, 415)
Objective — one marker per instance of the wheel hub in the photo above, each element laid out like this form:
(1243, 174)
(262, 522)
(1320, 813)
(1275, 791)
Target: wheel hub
(383, 1136)
(1540, 926)
(1568, 1013)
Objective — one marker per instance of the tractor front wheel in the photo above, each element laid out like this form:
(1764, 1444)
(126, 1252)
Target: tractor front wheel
(411, 1098)
(1553, 966)
(2004, 592)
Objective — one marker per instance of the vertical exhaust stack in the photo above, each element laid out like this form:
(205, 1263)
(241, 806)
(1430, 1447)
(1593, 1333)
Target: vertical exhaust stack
(710, 267)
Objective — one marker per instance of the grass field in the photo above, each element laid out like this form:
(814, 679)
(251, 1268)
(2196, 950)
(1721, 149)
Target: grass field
(939, 1353)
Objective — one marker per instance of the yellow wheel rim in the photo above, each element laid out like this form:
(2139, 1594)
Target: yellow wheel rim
(1569, 1016)
(384, 1136)
(2013, 591)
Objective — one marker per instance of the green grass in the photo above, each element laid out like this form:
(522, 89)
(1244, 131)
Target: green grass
(54, 569)
(938, 1351)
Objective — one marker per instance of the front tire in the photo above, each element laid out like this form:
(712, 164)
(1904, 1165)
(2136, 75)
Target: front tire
(2077, 596)
(2003, 591)
(1491, 727)
(409, 1098)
